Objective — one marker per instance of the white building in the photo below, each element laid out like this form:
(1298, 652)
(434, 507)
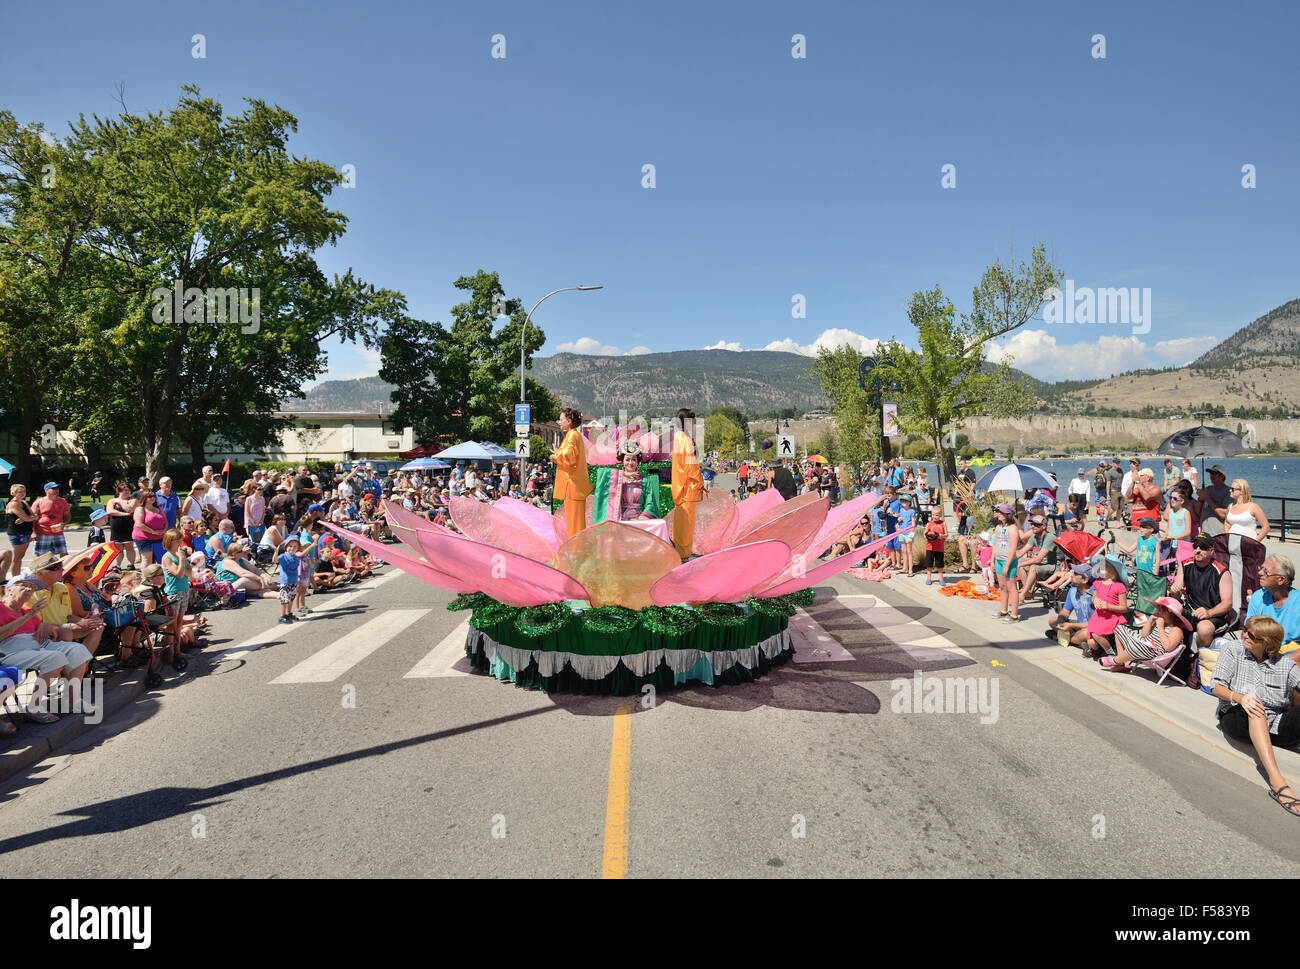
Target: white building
(328, 436)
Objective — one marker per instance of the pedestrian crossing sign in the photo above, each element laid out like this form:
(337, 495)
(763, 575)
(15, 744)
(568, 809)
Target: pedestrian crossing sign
(521, 447)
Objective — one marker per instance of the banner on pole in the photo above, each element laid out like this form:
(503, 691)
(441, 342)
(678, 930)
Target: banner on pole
(890, 412)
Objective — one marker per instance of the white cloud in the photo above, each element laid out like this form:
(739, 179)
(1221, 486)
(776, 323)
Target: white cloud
(594, 348)
(1037, 353)
(589, 346)
(1185, 349)
(829, 338)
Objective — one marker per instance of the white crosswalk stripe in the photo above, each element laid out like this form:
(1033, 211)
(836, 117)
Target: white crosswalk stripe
(812, 643)
(446, 659)
(338, 657)
(912, 637)
(277, 633)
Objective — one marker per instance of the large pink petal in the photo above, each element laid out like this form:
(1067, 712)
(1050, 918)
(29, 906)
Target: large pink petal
(404, 525)
(616, 563)
(826, 570)
(483, 523)
(840, 520)
(747, 510)
(537, 519)
(794, 522)
(417, 567)
(714, 515)
(725, 576)
(505, 576)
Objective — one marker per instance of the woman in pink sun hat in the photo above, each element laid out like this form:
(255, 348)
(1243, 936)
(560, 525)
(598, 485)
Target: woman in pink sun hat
(1163, 632)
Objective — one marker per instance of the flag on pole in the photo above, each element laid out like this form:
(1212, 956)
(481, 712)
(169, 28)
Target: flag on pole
(225, 468)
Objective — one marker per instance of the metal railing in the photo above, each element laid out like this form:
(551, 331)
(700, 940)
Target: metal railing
(1286, 529)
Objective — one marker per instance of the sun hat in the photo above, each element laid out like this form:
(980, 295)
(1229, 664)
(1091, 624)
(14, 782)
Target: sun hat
(1146, 473)
(1176, 608)
(1085, 570)
(98, 514)
(46, 561)
(152, 569)
(50, 484)
(1120, 570)
(1147, 522)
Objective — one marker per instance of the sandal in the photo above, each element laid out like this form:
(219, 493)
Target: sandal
(40, 716)
(1108, 663)
(1290, 803)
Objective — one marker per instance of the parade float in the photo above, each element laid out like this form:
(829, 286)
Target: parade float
(614, 608)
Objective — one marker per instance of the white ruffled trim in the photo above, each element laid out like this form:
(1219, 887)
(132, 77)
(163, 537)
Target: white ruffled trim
(551, 661)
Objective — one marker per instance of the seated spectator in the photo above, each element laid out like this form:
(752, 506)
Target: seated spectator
(1073, 616)
(63, 610)
(1273, 597)
(28, 643)
(1259, 699)
(219, 543)
(1109, 603)
(1162, 633)
(1206, 588)
(149, 593)
(853, 539)
(236, 569)
(359, 563)
(1037, 556)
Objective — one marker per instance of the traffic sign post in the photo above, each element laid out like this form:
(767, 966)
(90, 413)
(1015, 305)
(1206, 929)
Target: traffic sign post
(521, 448)
(785, 446)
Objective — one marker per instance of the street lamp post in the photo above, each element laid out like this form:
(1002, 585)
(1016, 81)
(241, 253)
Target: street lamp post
(634, 373)
(522, 337)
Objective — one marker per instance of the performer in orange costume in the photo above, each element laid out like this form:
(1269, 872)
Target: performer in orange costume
(687, 484)
(572, 483)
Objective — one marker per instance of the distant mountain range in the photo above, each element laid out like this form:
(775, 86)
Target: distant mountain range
(1258, 366)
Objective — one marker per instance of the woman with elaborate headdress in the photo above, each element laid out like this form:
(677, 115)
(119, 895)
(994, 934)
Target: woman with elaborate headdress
(623, 491)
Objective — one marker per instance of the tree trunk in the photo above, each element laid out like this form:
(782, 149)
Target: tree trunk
(197, 454)
(23, 433)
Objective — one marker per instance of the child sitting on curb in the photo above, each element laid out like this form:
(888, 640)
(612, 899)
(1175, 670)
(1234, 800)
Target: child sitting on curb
(1072, 620)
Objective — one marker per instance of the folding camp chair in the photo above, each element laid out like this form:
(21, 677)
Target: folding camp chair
(1164, 664)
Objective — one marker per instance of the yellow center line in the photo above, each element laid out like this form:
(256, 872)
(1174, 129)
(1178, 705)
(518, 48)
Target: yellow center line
(616, 801)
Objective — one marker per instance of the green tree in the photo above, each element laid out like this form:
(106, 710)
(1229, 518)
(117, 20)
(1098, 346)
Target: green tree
(732, 414)
(462, 381)
(47, 204)
(214, 204)
(723, 434)
(836, 370)
(1011, 453)
(947, 379)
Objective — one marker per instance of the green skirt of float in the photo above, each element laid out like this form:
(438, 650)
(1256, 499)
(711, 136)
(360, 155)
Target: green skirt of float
(576, 658)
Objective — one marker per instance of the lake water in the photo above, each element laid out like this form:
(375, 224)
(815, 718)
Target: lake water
(1259, 472)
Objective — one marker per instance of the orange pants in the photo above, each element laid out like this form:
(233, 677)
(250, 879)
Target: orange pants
(684, 528)
(575, 515)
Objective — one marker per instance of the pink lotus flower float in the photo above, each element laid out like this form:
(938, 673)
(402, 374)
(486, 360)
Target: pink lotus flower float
(615, 603)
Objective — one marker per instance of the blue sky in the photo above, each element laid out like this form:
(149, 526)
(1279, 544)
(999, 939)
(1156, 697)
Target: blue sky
(775, 176)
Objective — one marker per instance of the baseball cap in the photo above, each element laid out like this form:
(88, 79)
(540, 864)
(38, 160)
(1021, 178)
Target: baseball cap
(1147, 522)
(1214, 469)
(281, 488)
(1084, 569)
(1203, 541)
(317, 506)
(50, 484)
(1006, 509)
(1082, 471)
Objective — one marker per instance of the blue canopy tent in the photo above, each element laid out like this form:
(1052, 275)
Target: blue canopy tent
(6, 467)
(424, 464)
(475, 451)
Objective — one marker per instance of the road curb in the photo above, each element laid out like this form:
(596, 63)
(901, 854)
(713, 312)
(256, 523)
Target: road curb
(34, 742)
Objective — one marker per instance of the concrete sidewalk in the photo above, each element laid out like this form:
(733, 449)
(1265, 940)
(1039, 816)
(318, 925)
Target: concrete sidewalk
(1182, 715)
(35, 741)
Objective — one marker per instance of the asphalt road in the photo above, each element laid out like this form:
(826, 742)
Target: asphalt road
(253, 763)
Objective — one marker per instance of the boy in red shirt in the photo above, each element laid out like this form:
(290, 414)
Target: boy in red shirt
(936, 533)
